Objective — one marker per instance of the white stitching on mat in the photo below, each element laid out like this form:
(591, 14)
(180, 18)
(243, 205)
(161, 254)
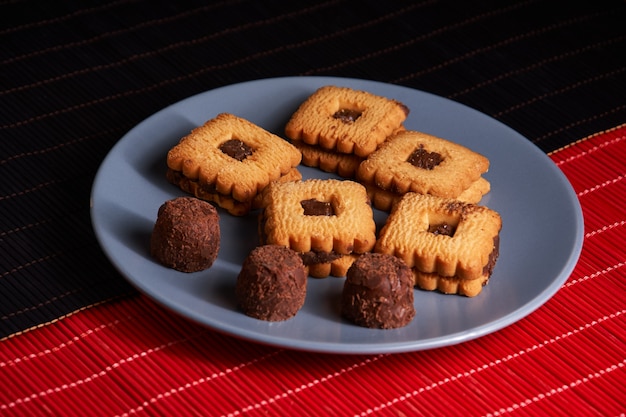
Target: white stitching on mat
(28, 190)
(62, 317)
(496, 45)
(599, 186)
(64, 17)
(539, 64)
(121, 362)
(58, 146)
(251, 407)
(580, 122)
(58, 347)
(586, 138)
(605, 228)
(591, 150)
(302, 387)
(558, 390)
(553, 93)
(197, 382)
(431, 34)
(105, 35)
(24, 227)
(43, 303)
(490, 364)
(170, 47)
(594, 275)
(193, 74)
(27, 264)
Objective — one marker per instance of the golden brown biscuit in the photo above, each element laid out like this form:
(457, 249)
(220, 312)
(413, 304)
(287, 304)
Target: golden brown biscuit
(444, 237)
(344, 165)
(323, 220)
(336, 268)
(207, 193)
(475, 192)
(413, 161)
(384, 200)
(345, 120)
(229, 160)
(450, 285)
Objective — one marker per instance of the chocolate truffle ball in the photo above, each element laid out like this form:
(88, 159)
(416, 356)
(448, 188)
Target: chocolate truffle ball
(378, 292)
(272, 283)
(186, 235)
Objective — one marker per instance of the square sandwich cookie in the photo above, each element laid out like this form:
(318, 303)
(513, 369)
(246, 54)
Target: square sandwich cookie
(337, 127)
(449, 245)
(229, 161)
(413, 161)
(328, 222)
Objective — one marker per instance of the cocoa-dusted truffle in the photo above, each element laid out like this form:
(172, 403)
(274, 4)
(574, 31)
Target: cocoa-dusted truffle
(272, 283)
(378, 292)
(186, 235)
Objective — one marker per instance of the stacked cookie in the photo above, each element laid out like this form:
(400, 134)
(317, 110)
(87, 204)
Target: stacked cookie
(328, 222)
(229, 161)
(336, 128)
(450, 246)
(413, 161)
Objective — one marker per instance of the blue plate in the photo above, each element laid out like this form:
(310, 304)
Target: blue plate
(541, 238)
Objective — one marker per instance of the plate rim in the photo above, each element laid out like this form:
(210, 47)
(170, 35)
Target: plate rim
(336, 347)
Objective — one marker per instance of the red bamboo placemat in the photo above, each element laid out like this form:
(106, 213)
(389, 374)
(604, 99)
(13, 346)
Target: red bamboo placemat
(132, 357)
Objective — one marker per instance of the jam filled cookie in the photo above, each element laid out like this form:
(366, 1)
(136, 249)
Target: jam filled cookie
(328, 222)
(344, 165)
(341, 125)
(384, 200)
(229, 160)
(413, 161)
(451, 246)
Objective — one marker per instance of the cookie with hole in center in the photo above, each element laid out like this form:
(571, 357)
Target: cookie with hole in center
(345, 120)
(328, 222)
(450, 245)
(384, 200)
(336, 127)
(229, 161)
(412, 161)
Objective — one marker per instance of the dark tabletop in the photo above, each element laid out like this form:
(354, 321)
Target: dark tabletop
(77, 76)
